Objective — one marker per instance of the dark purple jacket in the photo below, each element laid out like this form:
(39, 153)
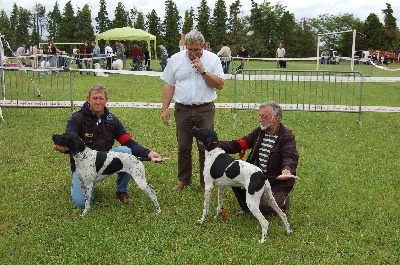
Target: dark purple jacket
(283, 155)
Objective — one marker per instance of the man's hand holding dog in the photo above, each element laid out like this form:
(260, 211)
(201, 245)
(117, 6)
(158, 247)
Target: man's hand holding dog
(155, 157)
(285, 175)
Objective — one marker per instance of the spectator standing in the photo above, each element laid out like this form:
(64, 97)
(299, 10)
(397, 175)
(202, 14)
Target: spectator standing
(164, 56)
(273, 150)
(191, 78)
(243, 53)
(20, 54)
(146, 58)
(78, 59)
(95, 54)
(136, 54)
(120, 52)
(280, 53)
(87, 54)
(53, 51)
(34, 54)
(108, 52)
(225, 54)
(41, 51)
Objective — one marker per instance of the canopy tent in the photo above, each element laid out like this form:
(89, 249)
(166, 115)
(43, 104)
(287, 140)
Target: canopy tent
(127, 33)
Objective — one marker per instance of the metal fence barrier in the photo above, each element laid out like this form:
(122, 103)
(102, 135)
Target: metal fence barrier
(308, 90)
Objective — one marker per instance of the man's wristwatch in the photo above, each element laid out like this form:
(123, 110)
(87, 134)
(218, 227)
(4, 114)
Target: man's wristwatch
(205, 71)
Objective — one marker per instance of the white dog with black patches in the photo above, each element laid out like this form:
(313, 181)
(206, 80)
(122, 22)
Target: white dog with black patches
(94, 166)
(224, 171)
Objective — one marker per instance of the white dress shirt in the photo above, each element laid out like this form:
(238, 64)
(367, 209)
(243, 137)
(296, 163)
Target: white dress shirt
(190, 86)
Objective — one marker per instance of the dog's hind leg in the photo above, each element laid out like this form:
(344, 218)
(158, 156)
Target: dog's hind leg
(268, 197)
(220, 201)
(254, 208)
(140, 179)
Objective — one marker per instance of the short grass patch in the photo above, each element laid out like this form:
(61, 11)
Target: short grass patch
(344, 209)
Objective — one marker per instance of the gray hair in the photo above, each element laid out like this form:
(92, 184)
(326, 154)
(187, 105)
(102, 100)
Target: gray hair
(193, 36)
(98, 88)
(276, 109)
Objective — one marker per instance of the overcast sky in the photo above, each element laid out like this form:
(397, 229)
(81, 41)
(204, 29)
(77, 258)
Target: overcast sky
(300, 8)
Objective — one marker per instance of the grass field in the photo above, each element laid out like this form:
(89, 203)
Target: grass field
(344, 209)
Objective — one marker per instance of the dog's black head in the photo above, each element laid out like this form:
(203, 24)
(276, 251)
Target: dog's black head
(207, 136)
(71, 140)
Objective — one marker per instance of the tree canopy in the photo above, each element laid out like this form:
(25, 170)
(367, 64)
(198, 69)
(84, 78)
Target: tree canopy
(261, 31)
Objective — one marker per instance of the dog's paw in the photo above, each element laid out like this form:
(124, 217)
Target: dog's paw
(200, 221)
(83, 213)
(217, 216)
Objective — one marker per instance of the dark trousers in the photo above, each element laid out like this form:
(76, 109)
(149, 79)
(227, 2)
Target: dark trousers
(186, 117)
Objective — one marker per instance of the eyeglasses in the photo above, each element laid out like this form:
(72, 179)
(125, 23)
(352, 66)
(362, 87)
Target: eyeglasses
(98, 98)
(193, 50)
(265, 117)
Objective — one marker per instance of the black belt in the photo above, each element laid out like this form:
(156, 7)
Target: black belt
(194, 106)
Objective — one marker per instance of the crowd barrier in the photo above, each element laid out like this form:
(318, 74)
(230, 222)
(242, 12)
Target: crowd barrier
(299, 90)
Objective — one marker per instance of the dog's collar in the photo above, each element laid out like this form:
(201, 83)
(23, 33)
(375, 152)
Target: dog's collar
(214, 143)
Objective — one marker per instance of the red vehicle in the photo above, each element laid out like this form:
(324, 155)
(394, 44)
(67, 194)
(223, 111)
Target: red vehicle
(383, 57)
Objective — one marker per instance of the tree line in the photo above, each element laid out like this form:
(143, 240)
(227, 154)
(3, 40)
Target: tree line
(261, 31)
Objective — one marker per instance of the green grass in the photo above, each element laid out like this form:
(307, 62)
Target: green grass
(344, 209)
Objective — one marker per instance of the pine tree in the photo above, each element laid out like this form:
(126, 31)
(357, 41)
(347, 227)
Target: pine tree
(153, 24)
(139, 22)
(85, 30)
(103, 22)
(219, 24)
(236, 31)
(54, 19)
(5, 30)
(373, 33)
(188, 21)
(68, 24)
(121, 17)
(203, 20)
(172, 22)
(391, 31)
(24, 24)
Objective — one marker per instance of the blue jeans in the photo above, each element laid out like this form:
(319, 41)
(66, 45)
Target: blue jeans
(52, 61)
(78, 200)
(225, 66)
(163, 62)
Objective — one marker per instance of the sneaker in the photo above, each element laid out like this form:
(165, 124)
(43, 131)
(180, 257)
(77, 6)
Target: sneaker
(123, 197)
(286, 204)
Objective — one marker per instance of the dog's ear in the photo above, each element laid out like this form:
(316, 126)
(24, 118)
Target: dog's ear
(196, 132)
(208, 141)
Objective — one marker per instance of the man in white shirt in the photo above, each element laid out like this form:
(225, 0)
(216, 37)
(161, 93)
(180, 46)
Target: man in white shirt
(108, 52)
(280, 53)
(225, 54)
(191, 77)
